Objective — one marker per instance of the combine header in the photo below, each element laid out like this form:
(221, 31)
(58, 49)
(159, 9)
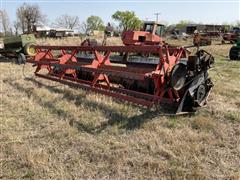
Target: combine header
(163, 75)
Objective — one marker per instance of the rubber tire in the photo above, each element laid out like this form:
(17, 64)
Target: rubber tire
(233, 53)
(178, 76)
(200, 100)
(21, 59)
(27, 50)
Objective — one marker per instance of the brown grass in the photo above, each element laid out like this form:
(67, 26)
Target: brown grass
(51, 131)
(76, 41)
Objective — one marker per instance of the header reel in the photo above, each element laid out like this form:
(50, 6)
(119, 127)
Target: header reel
(177, 80)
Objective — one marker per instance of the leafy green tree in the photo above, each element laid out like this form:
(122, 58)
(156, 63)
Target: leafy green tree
(95, 23)
(127, 20)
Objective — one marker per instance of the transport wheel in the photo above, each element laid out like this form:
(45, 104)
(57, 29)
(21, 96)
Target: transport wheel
(178, 76)
(29, 49)
(234, 53)
(21, 59)
(200, 95)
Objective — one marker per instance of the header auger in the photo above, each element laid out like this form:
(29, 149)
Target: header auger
(167, 76)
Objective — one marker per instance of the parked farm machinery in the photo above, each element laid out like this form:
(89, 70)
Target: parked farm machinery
(18, 47)
(231, 36)
(166, 75)
(150, 34)
(234, 53)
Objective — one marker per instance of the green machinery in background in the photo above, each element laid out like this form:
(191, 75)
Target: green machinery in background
(234, 53)
(19, 47)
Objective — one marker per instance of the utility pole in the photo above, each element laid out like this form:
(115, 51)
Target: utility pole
(157, 14)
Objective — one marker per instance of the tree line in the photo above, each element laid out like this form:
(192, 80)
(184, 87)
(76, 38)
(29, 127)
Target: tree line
(28, 16)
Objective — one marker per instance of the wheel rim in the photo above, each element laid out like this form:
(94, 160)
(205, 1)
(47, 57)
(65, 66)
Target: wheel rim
(31, 50)
(178, 76)
(201, 94)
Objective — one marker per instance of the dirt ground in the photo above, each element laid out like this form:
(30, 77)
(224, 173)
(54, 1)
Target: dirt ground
(51, 131)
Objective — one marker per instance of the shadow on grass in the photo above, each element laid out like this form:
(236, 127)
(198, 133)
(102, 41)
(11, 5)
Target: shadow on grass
(131, 123)
(114, 116)
(50, 105)
(4, 59)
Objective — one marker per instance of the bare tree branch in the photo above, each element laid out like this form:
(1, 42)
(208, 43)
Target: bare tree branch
(28, 16)
(67, 21)
(5, 22)
(16, 26)
(84, 28)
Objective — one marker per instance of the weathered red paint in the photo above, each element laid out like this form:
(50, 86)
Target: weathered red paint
(101, 68)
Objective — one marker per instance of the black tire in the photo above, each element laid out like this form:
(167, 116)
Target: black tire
(200, 95)
(234, 53)
(178, 76)
(21, 59)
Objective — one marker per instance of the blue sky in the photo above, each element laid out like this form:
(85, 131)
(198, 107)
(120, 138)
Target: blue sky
(172, 11)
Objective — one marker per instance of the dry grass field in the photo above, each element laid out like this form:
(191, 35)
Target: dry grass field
(77, 41)
(51, 131)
